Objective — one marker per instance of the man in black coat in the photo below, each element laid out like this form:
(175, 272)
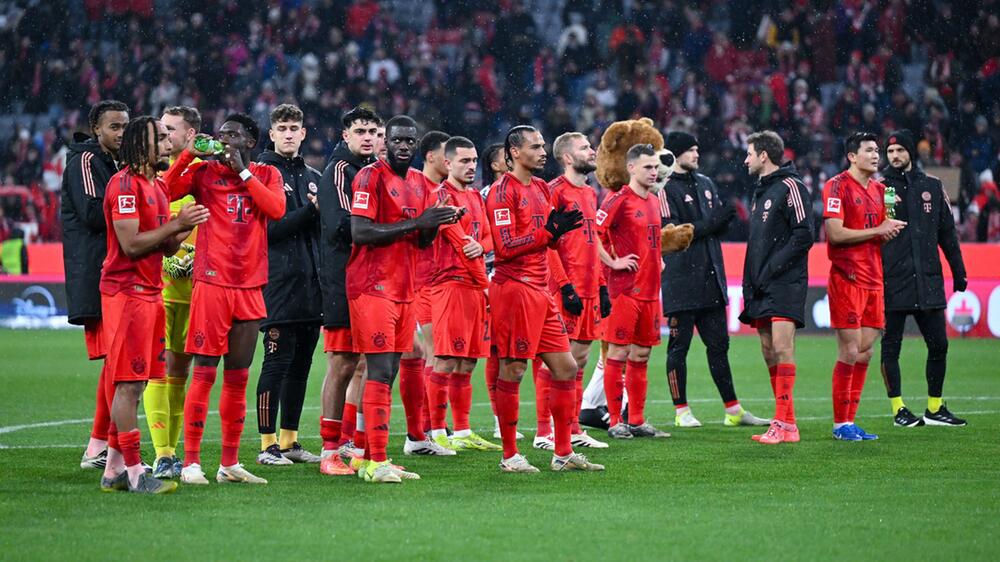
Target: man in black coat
(914, 284)
(355, 151)
(776, 272)
(292, 295)
(90, 163)
(694, 283)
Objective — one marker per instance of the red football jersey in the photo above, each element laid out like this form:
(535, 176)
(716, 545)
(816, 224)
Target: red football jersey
(232, 245)
(517, 215)
(131, 197)
(425, 258)
(450, 263)
(860, 208)
(387, 271)
(579, 250)
(630, 224)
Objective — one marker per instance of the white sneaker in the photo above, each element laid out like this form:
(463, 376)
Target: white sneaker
(517, 463)
(743, 418)
(272, 456)
(574, 461)
(544, 442)
(193, 474)
(297, 454)
(237, 474)
(404, 474)
(686, 419)
(584, 440)
(381, 473)
(426, 447)
(98, 461)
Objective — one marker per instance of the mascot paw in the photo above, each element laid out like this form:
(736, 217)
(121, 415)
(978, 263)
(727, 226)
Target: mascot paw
(674, 238)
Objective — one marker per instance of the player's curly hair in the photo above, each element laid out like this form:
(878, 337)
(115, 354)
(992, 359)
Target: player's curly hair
(102, 107)
(134, 152)
(249, 125)
(515, 139)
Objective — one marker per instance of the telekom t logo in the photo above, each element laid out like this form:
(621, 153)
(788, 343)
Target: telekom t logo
(239, 205)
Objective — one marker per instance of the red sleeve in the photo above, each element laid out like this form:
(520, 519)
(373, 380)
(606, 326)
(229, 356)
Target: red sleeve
(454, 234)
(833, 207)
(501, 210)
(180, 176)
(605, 218)
(365, 187)
(267, 192)
(556, 268)
(122, 199)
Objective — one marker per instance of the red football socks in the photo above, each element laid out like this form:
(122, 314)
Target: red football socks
(563, 395)
(349, 421)
(858, 377)
(425, 418)
(636, 384)
(195, 412)
(378, 410)
(543, 398)
(329, 431)
(507, 397)
(437, 396)
(233, 412)
(773, 370)
(460, 396)
(784, 403)
(842, 374)
(411, 390)
(102, 411)
(614, 389)
(576, 429)
(128, 444)
(492, 374)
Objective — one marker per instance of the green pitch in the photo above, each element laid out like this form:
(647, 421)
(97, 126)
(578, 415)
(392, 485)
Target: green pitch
(706, 494)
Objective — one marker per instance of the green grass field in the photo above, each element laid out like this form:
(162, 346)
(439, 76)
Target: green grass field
(706, 494)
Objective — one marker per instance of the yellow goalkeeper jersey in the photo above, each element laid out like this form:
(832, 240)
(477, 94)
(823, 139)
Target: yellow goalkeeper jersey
(179, 290)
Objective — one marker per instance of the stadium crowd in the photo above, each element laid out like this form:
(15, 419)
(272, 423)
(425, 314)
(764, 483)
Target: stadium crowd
(812, 71)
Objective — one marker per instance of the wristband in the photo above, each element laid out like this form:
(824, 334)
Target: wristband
(245, 175)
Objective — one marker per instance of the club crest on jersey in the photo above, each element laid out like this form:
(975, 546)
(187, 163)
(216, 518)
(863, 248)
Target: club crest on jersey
(833, 205)
(312, 187)
(199, 339)
(361, 200)
(708, 195)
(501, 217)
(273, 334)
(601, 216)
(521, 345)
(926, 196)
(138, 365)
(378, 338)
(767, 205)
(126, 204)
(458, 344)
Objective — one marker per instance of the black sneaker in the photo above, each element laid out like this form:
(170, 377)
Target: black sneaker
(596, 418)
(942, 417)
(905, 418)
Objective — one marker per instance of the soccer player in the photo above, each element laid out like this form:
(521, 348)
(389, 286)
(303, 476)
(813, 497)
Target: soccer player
(913, 281)
(89, 165)
(230, 268)
(338, 414)
(390, 220)
(856, 226)
(140, 232)
(292, 295)
(163, 399)
(458, 300)
(525, 317)
(420, 395)
(629, 222)
(585, 301)
(776, 272)
(695, 292)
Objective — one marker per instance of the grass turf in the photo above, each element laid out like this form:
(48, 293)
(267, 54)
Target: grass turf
(706, 494)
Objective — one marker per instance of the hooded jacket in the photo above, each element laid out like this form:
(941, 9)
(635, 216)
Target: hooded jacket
(292, 293)
(85, 238)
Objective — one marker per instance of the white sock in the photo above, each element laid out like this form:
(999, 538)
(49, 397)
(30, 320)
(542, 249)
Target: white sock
(840, 425)
(435, 433)
(734, 410)
(460, 433)
(593, 395)
(95, 446)
(360, 425)
(683, 410)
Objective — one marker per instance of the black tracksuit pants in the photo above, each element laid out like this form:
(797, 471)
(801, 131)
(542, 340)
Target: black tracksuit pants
(711, 324)
(932, 327)
(288, 354)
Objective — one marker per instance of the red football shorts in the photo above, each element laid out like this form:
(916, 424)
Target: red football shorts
(338, 340)
(93, 334)
(852, 306)
(588, 326)
(633, 321)
(526, 322)
(766, 321)
(380, 325)
(213, 310)
(422, 305)
(461, 324)
(135, 330)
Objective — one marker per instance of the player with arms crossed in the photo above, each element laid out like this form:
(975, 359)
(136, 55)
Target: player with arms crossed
(776, 272)
(526, 320)
(390, 221)
(856, 226)
(140, 232)
(230, 269)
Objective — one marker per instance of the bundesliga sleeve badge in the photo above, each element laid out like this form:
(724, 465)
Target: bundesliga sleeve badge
(126, 204)
(361, 200)
(833, 205)
(601, 216)
(501, 217)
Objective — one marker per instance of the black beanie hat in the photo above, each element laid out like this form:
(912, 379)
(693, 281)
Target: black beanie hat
(904, 138)
(679, 142)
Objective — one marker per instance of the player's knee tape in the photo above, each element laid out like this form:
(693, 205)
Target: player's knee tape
(382, 367)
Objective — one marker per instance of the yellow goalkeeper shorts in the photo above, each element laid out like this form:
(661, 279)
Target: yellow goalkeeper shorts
(178, 316)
